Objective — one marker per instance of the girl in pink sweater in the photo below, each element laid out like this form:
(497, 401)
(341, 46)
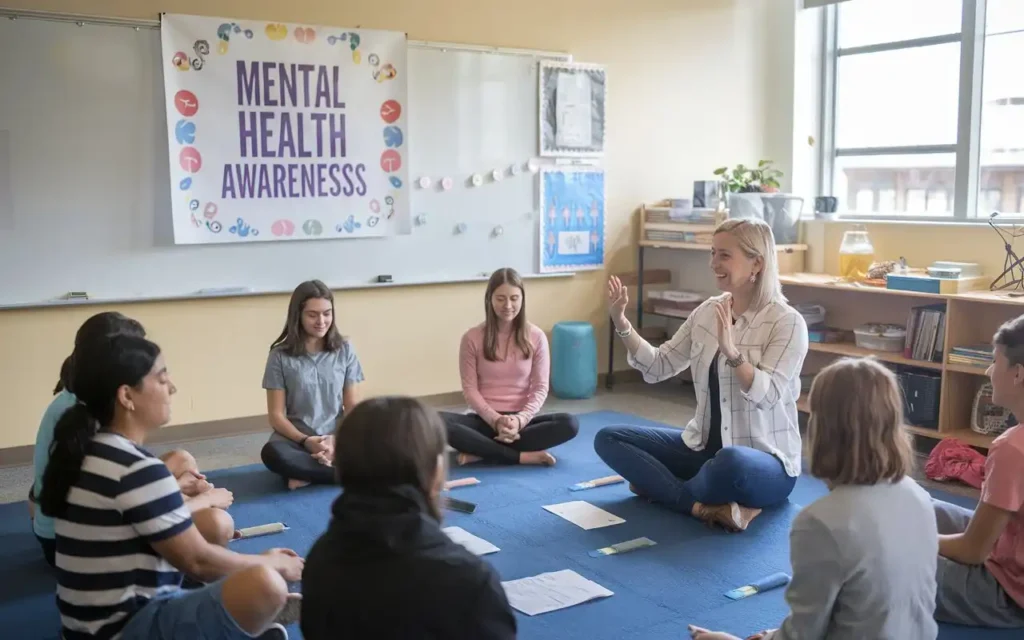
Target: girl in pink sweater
(504, 364)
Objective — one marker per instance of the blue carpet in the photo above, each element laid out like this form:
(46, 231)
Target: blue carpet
(657, 590)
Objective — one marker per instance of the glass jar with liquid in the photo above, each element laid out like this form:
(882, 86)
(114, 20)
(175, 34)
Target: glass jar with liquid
(856, 254)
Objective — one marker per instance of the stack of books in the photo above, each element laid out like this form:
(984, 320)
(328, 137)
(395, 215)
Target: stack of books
(979, 355)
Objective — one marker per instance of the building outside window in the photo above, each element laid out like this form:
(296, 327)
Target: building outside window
(908, 109)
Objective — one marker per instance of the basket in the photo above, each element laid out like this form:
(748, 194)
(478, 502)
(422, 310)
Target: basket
(987, 418)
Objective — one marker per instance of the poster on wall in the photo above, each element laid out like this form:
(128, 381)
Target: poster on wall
(280, 131)
(572, 109)
(572, 229)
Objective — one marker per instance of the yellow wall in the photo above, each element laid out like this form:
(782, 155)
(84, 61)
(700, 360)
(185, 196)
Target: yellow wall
(921, 244)
(693, 84)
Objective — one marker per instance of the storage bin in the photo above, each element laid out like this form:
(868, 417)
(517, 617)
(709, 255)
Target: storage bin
(881, 337)
(921, 392)
(813, 313)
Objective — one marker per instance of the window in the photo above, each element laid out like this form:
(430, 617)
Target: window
(903, 109)
(1002, 108)
(865, 201)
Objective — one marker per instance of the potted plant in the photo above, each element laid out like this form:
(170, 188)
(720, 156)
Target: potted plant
(745, 188)
(761, 179)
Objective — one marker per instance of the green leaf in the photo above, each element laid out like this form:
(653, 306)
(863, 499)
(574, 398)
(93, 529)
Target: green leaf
(764, 163)
(720, 171)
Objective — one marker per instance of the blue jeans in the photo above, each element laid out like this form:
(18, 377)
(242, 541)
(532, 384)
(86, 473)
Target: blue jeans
(196, 614)
(657, 462)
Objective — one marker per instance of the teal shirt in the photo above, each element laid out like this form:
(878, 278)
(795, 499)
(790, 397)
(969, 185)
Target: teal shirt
(42, 524)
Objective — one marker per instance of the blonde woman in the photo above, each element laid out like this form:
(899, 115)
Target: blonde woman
(864, 555)
(741, 451)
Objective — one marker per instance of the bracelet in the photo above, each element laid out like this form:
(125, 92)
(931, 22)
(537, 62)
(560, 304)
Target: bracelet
(624, 334)
(302, 443)
(735, 362)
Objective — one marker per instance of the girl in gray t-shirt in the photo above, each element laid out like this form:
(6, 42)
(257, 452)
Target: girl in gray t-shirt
(864, 555)
(312, 376)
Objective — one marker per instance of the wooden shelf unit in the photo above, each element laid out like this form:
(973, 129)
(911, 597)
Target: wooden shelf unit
(971, 318)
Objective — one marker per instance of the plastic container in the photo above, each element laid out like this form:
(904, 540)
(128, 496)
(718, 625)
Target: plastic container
(881, 337)
(813, 313)
(573, 360)
(856, 254)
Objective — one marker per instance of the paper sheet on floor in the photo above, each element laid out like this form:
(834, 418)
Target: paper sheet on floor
(552, 591)
(585, 515)
(475, 545)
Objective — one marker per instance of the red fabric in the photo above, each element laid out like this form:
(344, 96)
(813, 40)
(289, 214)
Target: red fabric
(951, 459)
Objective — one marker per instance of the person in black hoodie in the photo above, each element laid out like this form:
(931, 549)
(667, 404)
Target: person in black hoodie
(384, 569)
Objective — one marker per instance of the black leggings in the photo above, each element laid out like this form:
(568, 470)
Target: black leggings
(469, 433)
(287, 458)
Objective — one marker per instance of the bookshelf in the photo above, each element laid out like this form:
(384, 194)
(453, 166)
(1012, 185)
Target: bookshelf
(971, 318)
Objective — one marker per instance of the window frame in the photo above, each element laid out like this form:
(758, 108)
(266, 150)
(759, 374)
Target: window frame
(967, 148)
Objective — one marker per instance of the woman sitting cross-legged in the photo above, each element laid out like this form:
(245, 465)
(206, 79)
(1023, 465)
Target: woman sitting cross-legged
(741, 451)
(505, 366)
(384, 569)
(981, 568)
(863, 556)
(200, 495)
(124, 535)
(312, 377)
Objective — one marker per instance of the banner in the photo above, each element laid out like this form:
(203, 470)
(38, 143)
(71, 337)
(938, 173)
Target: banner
(284, 131)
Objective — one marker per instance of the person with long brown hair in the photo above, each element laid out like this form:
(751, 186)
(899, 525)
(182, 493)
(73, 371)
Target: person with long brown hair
(981, 552)
(384, 569)
(863, 555)
(505, 366)
(312, 377)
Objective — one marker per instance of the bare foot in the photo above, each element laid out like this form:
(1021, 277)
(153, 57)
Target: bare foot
(465, 458)
(296, 484)
(292, 608)
(542, 458)
(731, 516)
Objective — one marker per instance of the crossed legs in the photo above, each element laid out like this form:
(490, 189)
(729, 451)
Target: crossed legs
(729, 488)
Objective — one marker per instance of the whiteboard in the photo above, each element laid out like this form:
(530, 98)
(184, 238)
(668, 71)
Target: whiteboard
(83, 126)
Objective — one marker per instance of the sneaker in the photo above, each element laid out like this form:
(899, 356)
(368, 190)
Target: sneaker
(274, 632)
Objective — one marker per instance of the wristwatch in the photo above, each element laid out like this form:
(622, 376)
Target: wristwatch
(735, 362)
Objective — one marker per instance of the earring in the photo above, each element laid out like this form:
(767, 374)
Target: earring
(131, 406)
(753, 278)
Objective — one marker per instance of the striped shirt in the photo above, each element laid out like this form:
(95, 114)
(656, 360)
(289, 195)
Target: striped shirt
(774, 340)
(124, 500)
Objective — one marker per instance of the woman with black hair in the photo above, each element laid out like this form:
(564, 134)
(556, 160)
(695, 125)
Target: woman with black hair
(216, 526)
(124, 536)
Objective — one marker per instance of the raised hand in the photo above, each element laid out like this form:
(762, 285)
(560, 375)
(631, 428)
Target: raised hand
(618, 298)
(726, 344)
